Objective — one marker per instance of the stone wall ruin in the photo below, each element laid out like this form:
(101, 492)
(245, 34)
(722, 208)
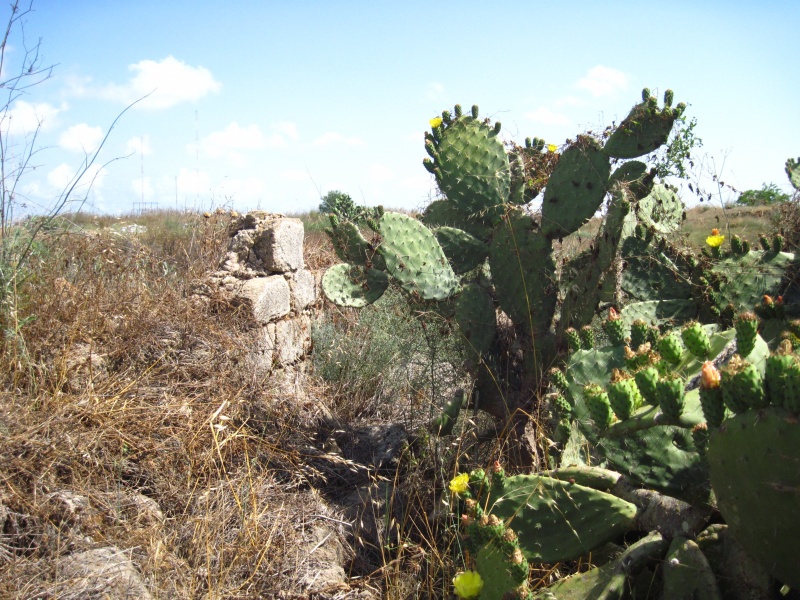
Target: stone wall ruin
(263, 272)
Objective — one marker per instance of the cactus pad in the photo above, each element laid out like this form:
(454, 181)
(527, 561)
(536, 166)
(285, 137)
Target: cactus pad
(415, 259)
(645, 129)
(523, 272)
(576, 188)
(754, 461)
(348, 285)
(476, 318)
(558, 520)
(464, 251)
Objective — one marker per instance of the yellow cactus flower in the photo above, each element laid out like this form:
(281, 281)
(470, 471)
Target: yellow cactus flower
(715, 240)
(460, 483)
(436, 122)
(468, 584)
(552, 147)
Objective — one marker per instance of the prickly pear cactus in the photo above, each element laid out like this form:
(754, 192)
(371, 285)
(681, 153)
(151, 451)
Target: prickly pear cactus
(793, 172)
(477, 250)
(554, 519)
(754, 462)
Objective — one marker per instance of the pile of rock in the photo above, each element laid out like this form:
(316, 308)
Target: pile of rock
(264, 272)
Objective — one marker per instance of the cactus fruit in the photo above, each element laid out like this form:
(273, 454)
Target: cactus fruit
(599, 405)
(696, 339)
(647, 383)
(562, 407)
(670, 393)
(700, 438)
(777, 243)
(587, 337)
(746, 332)
(670, 347)
(615, 328)
(742, 386)
(764, 241)
(639, 332)
(782, 378)
(623, 394)
(558, 379)
(573, 339)
(711, 395)
(736, 244)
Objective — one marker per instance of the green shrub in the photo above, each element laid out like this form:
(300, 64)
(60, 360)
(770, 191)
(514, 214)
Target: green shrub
(383, 353)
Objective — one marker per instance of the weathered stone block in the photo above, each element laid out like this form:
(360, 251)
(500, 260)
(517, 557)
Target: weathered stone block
(292, 339)
(269, 297)
(279, 245)
(304, 291)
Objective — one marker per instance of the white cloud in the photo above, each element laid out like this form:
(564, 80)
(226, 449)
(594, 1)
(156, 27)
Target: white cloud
(81, 138)
(331, 137)
(603, 81)
(231, 141)
(547, 116)
(139, 145)
(287, 129)
(434, 91)
(25, 118)
(168, 81)
(61, 176)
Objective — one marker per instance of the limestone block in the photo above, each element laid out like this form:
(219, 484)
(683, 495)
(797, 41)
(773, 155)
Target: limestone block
(304, 291)
(101, 573)
(292, 339)
(269, 297)
(279, 245)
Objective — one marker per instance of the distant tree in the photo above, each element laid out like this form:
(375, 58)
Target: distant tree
(340, 204)
(768, 194)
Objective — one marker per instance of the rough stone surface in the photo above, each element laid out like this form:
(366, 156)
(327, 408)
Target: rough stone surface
(292, 339)
(323, 558)
(304, 291)
(263, 269)
(68, 507)
(102, 573)
(269, 297)
(279, 245)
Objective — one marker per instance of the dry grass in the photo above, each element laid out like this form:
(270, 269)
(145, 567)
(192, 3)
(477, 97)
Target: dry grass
(157, 410)
(123, 389)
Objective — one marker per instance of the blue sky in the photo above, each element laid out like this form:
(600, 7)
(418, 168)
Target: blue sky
(288, 100)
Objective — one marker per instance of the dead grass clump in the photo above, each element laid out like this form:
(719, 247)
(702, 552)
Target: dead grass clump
(128, 418)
